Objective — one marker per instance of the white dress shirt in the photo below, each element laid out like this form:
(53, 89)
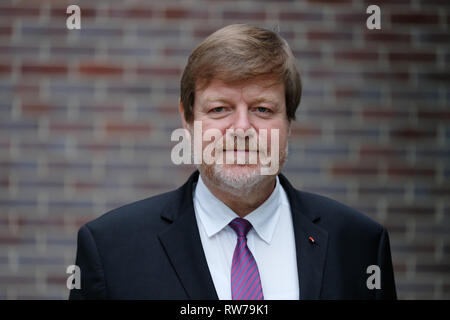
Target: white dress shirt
(271, 241)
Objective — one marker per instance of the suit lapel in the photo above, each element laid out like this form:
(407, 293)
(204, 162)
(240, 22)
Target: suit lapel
(310, 256)
(182, 244)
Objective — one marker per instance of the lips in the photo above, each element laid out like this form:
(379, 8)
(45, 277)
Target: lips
(236, 150)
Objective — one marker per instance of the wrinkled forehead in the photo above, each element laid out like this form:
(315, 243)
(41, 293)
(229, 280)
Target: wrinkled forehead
(261, 89)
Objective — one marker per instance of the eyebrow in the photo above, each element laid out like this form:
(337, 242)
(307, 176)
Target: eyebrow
(266, 99)
(214, 99)
(224, 99)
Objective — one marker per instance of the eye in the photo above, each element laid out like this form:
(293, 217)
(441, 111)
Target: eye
(263, 110)
(217, 109)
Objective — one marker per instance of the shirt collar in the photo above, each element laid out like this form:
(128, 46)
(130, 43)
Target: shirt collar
(215, 215)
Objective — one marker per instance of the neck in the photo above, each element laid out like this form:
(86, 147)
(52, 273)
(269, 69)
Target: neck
(248, 200)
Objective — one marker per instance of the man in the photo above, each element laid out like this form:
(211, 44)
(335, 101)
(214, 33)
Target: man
(231, 232)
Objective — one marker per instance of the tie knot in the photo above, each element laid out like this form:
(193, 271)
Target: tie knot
(241, 226)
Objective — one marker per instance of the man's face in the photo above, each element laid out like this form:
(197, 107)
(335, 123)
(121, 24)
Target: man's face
(255, 104)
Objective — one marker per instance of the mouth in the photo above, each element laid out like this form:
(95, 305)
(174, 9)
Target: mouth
(236, 149)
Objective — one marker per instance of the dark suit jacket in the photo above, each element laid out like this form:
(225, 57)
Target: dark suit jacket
(151, 249)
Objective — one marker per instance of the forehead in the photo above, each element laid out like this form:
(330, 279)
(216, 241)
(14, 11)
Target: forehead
(257, 89)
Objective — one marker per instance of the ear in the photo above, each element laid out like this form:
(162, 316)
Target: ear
(183, 119)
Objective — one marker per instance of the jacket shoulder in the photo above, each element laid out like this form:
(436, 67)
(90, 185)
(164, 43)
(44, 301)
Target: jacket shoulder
(337, 214)
(146, 212)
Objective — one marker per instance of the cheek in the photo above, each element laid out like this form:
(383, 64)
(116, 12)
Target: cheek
(282, 136)
(219, 124)
(213, 127)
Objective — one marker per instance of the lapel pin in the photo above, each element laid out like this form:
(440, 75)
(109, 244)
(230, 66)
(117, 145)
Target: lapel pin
(311, 240)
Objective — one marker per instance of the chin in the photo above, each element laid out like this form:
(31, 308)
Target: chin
(236, 179)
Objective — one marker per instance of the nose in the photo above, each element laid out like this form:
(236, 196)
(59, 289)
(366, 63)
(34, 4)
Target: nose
(241, 119)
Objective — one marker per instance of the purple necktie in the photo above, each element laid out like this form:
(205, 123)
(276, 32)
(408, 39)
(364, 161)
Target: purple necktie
(245, 280)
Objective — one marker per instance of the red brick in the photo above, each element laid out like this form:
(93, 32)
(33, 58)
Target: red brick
(5, 31)
(79, 221)
(412, 57)
(415, 18)
(413, 133)
(84, 185)
(387, 37)
(40, 222)
(410, 172)
(303, 131)
(355, 55)
(180, 13)
(5, 182)
(94, 69)
(37, 108)
(372, 152)
(241, 15)
(344, 93)
(353, 170)
(378, 113)
(355, 93)
(399, 267)
(158, 71)
(5, 69)
(133, 12)
(61, 12)
(435, 115)
(10, 240)
(19, 11)
(176, 13)
(329, 35)
(394, 229)
(168, 109)
(44, 69)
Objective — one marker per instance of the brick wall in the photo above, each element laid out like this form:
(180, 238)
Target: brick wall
(86, 117)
